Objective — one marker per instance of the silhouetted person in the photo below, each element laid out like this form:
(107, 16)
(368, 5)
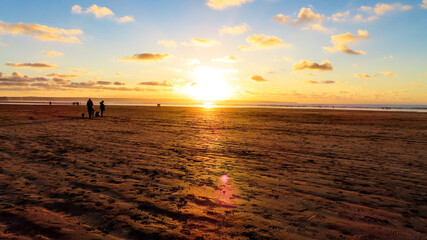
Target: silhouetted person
(50, 103)
(102, 107)
(90, 109)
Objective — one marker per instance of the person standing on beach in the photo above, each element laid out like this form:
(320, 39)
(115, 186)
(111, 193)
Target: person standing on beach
(102, 107)
(90, 107)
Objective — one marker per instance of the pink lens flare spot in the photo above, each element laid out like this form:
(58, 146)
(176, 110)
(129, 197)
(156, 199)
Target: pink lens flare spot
(225, 178)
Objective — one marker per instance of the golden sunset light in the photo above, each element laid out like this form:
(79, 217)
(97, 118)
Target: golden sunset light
(213, 119)
(209, 85)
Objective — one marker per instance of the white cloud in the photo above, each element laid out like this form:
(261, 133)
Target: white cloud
(340, 16)
(76, 9)
(424, 5)
(101, 12)
(125, 19)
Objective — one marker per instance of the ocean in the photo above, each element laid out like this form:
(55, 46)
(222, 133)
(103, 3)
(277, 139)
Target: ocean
(210, 104)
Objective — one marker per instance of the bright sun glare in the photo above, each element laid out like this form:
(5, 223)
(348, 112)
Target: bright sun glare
(209, 85)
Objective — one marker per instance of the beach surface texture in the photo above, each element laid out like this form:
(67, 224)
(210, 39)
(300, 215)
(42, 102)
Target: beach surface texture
(211, 173)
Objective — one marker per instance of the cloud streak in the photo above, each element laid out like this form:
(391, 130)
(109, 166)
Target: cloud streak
(223, 4)
(162, 84)
(168, 43)
(367, 76)
(51, 53)
(41, 32)
(201, 42)
(30, 65)
(320, 82)
(147, 57)
(57, 75)
(234, 30)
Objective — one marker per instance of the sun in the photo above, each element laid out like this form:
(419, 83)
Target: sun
(209, 84)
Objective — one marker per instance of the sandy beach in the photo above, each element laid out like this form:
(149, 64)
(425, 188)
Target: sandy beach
(211, 173)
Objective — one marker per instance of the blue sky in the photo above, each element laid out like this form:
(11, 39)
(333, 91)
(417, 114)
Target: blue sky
(300, 51)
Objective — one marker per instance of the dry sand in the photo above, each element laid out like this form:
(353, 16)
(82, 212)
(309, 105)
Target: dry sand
(195, 173)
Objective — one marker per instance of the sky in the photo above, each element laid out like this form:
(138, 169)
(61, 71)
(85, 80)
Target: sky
(330, 51)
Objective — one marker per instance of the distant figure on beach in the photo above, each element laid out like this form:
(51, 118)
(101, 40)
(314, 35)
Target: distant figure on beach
(90, 109)
(102, 107)
(50, 103)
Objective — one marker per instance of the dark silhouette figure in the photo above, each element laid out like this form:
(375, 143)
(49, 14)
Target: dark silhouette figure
(90, 109)
(102, 107)
(50, 103)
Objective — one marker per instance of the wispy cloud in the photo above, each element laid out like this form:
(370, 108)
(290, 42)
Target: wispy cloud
(234, 30)
(30, 65)
(226, 59)
(306, 65)
(101, 12)
(162, 84)
(424, 4)
(379, 9)
(51, 53)
(340, 42)
(339, 16)
(201, 42)
(41, 32)
(168, 43)
(367, 76)
(192, 61)
(382, 8)
(58, 75)
(258, 78)
(261, 41)
(319, 82)
(147, 57)
(222, 4)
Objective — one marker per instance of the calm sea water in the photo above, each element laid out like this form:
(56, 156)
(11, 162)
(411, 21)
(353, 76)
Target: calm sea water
(118, 102)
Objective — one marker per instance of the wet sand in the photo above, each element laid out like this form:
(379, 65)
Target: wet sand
(196, 173)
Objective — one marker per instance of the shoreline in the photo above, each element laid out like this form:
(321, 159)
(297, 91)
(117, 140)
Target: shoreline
(339, 107)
